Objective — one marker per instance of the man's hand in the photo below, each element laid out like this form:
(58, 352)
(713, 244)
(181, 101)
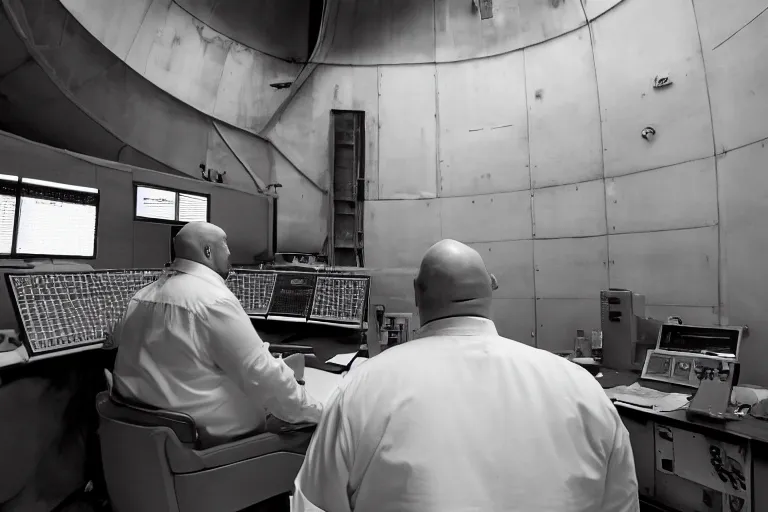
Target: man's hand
(296, 363)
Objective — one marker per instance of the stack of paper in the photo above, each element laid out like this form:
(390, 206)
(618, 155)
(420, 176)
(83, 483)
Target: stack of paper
(648, 398)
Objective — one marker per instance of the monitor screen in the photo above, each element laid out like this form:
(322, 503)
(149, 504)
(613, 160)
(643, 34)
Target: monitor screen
(57, 219)
(8, 187)
(155, 203)
(193, 207)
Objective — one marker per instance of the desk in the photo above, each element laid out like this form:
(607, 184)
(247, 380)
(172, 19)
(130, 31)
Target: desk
(651, 434)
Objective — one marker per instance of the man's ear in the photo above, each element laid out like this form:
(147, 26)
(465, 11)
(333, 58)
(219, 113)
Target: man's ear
(415, 293)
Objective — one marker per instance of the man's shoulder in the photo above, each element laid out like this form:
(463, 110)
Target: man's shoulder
(186, 291)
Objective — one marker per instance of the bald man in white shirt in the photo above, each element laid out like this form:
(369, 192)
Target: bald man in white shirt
(185, 344)
(462, 419)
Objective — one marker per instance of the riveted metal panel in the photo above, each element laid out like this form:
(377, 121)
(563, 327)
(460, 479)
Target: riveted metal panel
(669, 267)
(487, 218)
(512, 264)
(680, 196)
(571, 268)
(569, 210)
(634, 43)
(564, 118)
(483, 126)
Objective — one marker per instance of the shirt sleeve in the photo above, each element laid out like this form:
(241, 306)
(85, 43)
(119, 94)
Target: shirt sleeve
(235, 346)
(621, 493)
(323, 481)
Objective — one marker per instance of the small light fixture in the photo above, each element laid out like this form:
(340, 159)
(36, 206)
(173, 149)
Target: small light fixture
(648, 133)
(661, 80)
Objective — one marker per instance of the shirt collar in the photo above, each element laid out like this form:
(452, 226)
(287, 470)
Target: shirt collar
(196, 269)
(458, 326)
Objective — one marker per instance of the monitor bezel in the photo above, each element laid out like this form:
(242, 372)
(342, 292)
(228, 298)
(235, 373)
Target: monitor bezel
(177, 191)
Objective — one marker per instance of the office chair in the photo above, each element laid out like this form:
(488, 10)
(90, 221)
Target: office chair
(154, 462)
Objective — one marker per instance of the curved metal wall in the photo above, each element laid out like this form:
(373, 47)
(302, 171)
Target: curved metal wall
(520, 134)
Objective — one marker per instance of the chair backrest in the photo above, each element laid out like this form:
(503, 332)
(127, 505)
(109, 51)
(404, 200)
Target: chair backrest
(133, 452)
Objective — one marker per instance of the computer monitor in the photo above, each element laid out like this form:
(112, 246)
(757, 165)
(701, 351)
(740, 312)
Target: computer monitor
(8, 191)
(155, 203)
(193, 207)
(158, 204)
(56, 220)
(64, 312)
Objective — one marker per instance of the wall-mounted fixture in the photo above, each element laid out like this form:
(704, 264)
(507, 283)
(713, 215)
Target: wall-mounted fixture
(281, 85)
(661, 80)
(485, 7)
(211, 175)
(648, 133)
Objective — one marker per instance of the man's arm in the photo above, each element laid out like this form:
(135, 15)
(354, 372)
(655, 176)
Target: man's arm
(236, 348)
(323, 481)
(621, 480)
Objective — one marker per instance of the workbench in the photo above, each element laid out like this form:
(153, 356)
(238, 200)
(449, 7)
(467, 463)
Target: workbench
(673, 456)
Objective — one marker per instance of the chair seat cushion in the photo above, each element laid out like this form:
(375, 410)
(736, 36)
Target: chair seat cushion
(184, 460)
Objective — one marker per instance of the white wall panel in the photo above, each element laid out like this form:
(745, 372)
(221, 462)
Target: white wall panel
(151, 27)
(595, 8)
(487, 218)
(398, 233)
(115, 23)
(187, 59)
(744, 239)
(407, 132)
(571, 268)
(512, 264)
(669, 267)
(303, 132)
(394, 289)
(736, 70)
(302, 210)
(515, 319)
(244, 96)
(565, 141)
(559, 319)
(461, 34)
(680, 196)
(569, 210)
(633, 43)
(483, 126)
(383, 32)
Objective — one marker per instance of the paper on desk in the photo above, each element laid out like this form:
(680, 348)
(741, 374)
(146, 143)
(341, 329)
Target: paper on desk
(342, 359)
(648, 398)
(320, 384)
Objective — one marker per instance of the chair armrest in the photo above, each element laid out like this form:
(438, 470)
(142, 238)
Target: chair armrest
(183, 460)
(141, 414)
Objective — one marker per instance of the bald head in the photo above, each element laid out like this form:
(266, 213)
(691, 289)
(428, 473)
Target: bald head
(204, 243)
(452, 281)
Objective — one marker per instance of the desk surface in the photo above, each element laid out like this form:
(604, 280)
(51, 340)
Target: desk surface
(749, 427)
